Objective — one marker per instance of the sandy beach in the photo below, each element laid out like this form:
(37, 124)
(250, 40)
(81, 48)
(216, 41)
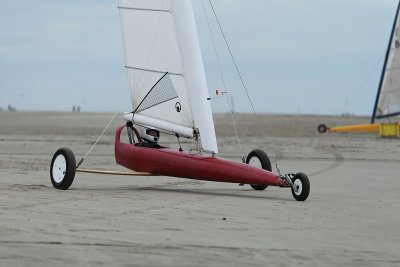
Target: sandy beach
(351, 217)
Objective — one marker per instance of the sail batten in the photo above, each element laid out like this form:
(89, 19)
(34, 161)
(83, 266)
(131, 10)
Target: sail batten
(145, 9)
(156, 71)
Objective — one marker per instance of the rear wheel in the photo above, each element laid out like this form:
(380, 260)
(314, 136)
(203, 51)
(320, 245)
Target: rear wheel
(259, 159)
(302, 185)
(62, 168)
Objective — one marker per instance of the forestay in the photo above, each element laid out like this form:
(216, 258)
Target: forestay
(165, 68)
(388, 98)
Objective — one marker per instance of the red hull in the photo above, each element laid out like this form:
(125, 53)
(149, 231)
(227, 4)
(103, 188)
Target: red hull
(172, 162)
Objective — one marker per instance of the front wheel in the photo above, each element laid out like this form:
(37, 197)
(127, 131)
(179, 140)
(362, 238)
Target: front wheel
(62, 168)
(302, 186)
(259, 159)
(322, 128)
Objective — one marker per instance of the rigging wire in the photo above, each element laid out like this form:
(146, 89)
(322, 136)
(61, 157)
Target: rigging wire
(98, 139)
(366, 79)
(233, 59)
(222, 78)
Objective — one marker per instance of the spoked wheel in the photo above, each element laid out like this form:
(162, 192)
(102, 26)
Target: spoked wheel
(259, 159)
(322, 128)
(62, 169)
(302, 185)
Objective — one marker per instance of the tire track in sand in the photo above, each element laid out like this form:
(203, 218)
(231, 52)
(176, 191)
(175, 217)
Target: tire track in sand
(338, 160)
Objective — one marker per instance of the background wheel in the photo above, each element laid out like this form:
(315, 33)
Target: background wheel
(322, 128)
(302, 184)
(62, 168)
(259, 159)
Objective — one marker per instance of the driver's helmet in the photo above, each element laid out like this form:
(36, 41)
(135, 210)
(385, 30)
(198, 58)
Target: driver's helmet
(150, 134)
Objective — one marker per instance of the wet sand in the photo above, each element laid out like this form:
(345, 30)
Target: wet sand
(351, 217)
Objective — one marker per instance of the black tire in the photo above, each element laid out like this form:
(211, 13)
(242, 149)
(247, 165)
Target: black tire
(265, 164)
(62, 168)
(303, 185)
(322, 128)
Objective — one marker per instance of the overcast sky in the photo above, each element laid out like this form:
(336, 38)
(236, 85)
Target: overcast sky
(308, 56)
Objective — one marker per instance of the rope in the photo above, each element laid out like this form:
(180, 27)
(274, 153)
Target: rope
(364, 82)
(222, 78)
(98, 139)
(233, 59)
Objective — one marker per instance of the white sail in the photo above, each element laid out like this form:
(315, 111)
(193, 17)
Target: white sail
(165, 68)
(388, 99)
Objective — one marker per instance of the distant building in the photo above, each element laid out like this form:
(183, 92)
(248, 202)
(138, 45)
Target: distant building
(10, 108)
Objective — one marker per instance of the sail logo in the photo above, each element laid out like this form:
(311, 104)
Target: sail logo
(397, 43)
(178, 107)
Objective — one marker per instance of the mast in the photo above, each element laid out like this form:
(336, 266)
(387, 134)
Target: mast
(385, 65)
(192, 62)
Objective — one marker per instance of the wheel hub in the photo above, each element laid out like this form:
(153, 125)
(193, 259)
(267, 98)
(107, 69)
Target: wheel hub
(255, 161)
(298, 186)
(59, 168)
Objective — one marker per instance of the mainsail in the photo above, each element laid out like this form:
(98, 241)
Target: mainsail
(388, 98)
(165, 68)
